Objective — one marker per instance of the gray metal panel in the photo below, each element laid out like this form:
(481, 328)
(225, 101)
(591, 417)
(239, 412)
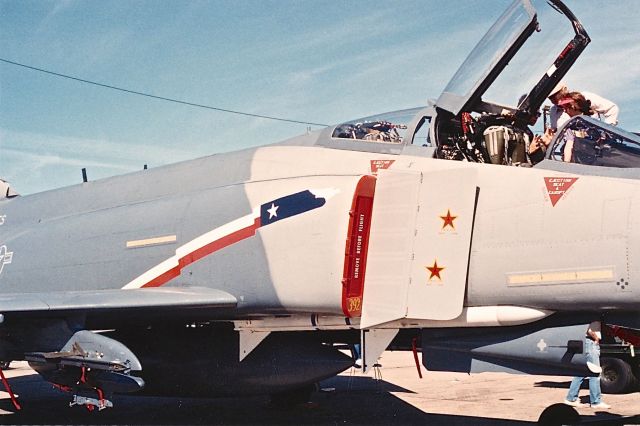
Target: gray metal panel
(75, 238)
(419, 151)
(116, 299)
(552, 346)
(248, 279)
(408, 237)
(155, 183)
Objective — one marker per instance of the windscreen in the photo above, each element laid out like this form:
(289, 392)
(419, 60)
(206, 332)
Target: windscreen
(388, 127)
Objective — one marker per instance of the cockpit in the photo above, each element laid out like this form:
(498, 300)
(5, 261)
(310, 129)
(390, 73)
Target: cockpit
(487, 113)
(463, 124)
(585, 140)
(375, 131)
(391, 127)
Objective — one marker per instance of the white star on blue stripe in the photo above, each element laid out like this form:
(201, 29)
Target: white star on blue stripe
(273, 211)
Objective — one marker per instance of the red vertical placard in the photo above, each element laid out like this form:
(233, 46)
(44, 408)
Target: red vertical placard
(355, 260)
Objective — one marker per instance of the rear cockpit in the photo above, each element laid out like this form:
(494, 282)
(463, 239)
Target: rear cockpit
(586, 140)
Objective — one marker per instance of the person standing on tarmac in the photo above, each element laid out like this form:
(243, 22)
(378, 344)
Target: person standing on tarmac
(592, 351)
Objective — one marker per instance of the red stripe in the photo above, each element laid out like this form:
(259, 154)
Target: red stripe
(167, 276)
(204, 251)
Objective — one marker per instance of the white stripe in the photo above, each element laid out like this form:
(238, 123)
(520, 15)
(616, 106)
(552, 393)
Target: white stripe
(325, 193)
(153, 273)
(192, 246)
(216, 234)
(208, 238)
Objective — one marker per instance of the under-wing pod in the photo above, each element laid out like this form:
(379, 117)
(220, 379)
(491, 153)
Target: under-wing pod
(553, 346)
(92, 366)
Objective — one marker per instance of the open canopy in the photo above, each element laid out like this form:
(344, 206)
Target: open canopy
(518, 61)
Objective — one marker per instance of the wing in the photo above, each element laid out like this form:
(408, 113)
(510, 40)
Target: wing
(51, 331)
(100, 301)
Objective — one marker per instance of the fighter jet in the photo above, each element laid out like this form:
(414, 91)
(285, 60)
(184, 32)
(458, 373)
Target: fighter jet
(246, 272)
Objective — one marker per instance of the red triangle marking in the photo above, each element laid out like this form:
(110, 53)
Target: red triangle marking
(380, 164)
(557, 187)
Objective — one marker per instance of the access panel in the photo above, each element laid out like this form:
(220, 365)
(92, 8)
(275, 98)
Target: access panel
(419, 244)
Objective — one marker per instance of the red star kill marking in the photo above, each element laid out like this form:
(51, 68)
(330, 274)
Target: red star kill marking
(435, 270)
(448, 220)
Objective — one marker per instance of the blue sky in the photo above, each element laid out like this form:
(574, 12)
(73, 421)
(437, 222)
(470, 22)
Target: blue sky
(318, 61)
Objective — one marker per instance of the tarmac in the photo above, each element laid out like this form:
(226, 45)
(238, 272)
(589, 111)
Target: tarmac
(392, 395)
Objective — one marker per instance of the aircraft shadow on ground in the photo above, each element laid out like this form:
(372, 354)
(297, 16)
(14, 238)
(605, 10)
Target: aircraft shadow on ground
(352, 400)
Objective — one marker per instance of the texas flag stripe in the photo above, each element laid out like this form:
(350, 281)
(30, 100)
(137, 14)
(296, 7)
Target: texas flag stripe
(288, 206)
(230, 233)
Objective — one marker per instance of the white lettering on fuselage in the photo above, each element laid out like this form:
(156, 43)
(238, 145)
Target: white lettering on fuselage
(356, 269)
(3, 217)
(359, 241)
(6, 257)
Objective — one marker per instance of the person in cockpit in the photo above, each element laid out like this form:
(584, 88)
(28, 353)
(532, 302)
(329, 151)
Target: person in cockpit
(575, 103)
(572, 104)
(606, 110)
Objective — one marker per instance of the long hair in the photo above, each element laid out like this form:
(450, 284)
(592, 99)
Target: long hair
(581, 103)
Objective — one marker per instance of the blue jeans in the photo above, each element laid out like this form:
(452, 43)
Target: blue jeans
(593, 355)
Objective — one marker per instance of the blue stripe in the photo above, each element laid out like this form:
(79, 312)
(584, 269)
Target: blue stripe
(291, 205)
